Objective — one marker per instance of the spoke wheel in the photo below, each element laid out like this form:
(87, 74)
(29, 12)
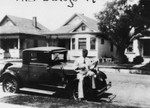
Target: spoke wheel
(75, 92)
(10, 85)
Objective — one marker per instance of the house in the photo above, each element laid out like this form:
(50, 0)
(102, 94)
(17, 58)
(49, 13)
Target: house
(18, 33)
(140, 47)
(80, 32)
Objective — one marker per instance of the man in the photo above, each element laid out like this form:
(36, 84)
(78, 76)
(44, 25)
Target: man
(82, 66)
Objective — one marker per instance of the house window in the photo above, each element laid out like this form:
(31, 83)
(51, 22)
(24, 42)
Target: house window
(130, 48)
(83, 27)
(92, 43)
(102, 41)
(82, 43)
(73, 43)
(111, 47)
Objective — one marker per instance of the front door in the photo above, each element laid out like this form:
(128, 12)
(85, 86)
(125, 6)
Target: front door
(146, 48)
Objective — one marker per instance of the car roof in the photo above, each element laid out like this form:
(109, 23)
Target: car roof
(46, 49)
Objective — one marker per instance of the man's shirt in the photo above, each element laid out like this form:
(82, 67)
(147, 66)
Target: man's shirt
(81, 61)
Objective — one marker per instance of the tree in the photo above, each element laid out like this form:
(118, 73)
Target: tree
(121, 22)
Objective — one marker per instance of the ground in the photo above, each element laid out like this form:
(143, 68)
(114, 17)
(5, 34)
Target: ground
(128, 90)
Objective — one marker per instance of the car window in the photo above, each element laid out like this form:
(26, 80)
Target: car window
(40, 57)
(57, 56)
(50, 58)
(34, 57)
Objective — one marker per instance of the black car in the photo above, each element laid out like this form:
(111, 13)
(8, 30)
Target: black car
(46, 66)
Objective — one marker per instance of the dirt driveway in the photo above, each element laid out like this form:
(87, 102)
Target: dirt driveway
(128, 90)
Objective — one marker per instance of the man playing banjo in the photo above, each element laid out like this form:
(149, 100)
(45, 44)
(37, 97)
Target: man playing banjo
(83, 66)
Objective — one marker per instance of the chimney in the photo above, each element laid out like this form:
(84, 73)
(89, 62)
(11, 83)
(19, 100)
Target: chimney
(34, 21)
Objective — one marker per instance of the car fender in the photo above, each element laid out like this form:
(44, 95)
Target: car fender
(11, 73)
(101, 74)
(6, 66)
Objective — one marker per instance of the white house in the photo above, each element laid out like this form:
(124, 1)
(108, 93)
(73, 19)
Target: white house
(18, 33)
(139, 47)
(80, 32)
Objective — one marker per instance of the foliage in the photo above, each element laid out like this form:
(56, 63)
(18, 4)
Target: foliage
(138, 60)
(121, 22)
(124, 58)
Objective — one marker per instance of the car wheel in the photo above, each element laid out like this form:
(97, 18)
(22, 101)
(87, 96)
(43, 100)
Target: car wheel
(74, 92)
(10, 85)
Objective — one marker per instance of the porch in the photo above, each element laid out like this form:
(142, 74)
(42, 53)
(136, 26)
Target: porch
(139, 47)
(13, 45)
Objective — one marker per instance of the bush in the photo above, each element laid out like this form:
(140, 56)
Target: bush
(125, 59)
(138, 60)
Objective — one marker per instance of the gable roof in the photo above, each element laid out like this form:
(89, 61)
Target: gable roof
(91, 23)
(67, 28)
(22, 25)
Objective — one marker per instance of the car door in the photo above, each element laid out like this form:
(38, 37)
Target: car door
(56, 72)
(38, 72)
(38, 67)
(55, 75)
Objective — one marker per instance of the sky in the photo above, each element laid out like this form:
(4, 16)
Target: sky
(51, 13)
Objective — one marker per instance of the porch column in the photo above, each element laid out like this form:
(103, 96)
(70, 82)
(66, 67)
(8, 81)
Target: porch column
(0, 43)
(136, 47)
(19, 43)
(76, 44)
(47, 41)
(88, 43)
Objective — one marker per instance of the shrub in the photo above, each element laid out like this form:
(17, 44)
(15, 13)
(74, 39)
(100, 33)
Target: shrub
(138, 60)
(125, 59)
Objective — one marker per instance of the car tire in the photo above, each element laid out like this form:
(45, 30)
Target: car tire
(74, 92)
(10, 85)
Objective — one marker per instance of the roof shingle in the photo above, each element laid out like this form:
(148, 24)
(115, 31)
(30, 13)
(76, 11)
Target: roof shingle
(67, 28)
(22, 25)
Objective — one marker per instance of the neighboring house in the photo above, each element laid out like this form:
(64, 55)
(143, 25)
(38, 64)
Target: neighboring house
(81, 32)
(18, 33)
(139, 47)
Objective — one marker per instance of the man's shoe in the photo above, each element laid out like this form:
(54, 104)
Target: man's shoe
(82, 100)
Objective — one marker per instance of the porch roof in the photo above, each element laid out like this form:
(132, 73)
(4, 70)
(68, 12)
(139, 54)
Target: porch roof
(145, 37)
(67, 35)
(46, 49)
(61, 37)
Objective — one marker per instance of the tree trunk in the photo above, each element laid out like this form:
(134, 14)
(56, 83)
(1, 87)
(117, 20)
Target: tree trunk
(121, 58)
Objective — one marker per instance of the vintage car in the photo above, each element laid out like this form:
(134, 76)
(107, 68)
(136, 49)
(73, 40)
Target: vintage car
(44, 67)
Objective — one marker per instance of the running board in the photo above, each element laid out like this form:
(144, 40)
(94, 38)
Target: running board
(37, 91)
(61, 87)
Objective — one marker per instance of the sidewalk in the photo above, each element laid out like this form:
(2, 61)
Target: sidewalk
(126, 68)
